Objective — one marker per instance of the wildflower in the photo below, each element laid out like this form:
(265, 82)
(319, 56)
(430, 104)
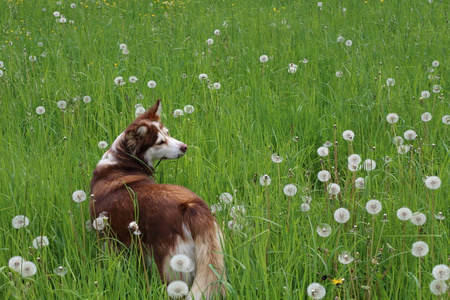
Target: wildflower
(305, 207)
(40, 110)
(439, 216)
(99, 223)
(392, 118)
(61, 104)
(340, 39)
(290, 190)
(73, 5)
(404, 213)
(446, 119)
(373, 206)
(418, 219)
(151, 84)
(324, 230)
(433, 182)
(436, 88)
(15, 263)
(123, 46)
(348, 43)
(119, 81)
(339, 74)
(305, 61)
(438, 287)
(387, 159)
(139, 111)
(62, 20)
(28, 269)
(441, 272)
(102, 144)
(292, 68)
(307, 199)
(237, 211)
(32, 58)
(202, 76)
(87, 99)
(324, 176)
(210, 41)
(265, 180)
(403, 149)
(20, 222)
(354, 159)
(133, 79)
(217, 85)
(1, 64)
(410, 135)
(316, 291)
(263, 58)
(276, 158)
(345, 258)
(323, 151)
(425, 94)
(359, 183)
(334, 188)
(177, 289)
(178, 113)
(419, 249)
(398, 140)
(79, 196)
(189, 109)
(40, 242)
(216, 208)
(134, 227)
(56, 14)
(226, 198)
(60, 271)
(435, 63)
(390, 82)
(181, 263)
(348, 135)
(341, 215)
(327, 144)
(319, 4)
(234, 225)
(217, 32)
(369, 165)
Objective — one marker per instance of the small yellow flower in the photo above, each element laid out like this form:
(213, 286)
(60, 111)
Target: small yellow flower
(337, 281)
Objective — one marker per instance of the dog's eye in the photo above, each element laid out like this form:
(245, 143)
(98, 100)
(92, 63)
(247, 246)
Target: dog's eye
(160, 142)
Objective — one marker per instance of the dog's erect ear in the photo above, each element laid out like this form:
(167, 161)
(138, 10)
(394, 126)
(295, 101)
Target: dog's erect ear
(135, 136)
(154, 112)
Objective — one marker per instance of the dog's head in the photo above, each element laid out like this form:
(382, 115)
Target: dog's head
(148, 140)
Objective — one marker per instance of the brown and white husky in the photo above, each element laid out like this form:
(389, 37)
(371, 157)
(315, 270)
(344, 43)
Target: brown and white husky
(171, 219)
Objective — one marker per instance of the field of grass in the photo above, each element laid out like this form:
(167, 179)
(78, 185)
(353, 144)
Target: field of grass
(331, 67)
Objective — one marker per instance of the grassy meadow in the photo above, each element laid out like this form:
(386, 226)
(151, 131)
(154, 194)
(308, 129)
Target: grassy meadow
(288, 85)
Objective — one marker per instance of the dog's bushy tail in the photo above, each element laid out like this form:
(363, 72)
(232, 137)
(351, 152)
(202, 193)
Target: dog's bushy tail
(210, 267)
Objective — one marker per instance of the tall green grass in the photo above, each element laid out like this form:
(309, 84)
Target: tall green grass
(259, 110)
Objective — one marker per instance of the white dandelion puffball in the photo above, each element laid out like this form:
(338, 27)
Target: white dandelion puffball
(392, 118)
(189, 109)
(20, 222)
(340, 39)
(369, 165)
(139, 111)
(354, 159)
(441, 272)
(133, 79)
(390, 82)
(234, 225)
(446, 119)
(373, 206)
(433, 182)
(341, 215)
(438, 287)
(178, 113)
(263, 58)
(403, 149)
(202, 76)
(28, 269)
(119, 81)
(265, 180)
(348, 135)
(123, 46)
(439, 216)
(134, 227)
(398, 140)
(410, 135)
(426, 117)
(56, 14)
(316, 291)
(348, 43)
(339, 74)
(323, 151)
(334, 188)
(151, 84)
(126, 51)
(217, 32)
(40, 242)
(40, 110)
(237, 211)
(87, 99)
(305, 207)
(215, 208)
(404, 213)
(15, 263)
(359, 183)
(60, 271)
(32, 58)
(210, 41)
(324, 175)
(353, 168)
(61, 104)
(79, 196)
(345, 258)
(419, 249)
(73, 5)
(425, 94)
(102, 144)
(292, 68)
(276, 158)
(290, 190)
(99, 224)
(2, 64)
(226, 198)
(177, 289)
(182, 263)
(324, 230)
(435, 63)
(418, 219)
(436, 88)
(319, 4)
(217, 85)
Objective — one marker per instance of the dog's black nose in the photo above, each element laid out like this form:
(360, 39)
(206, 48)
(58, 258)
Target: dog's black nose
(183, 148)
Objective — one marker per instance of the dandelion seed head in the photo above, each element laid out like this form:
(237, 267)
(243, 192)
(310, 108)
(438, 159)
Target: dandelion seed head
(263, 58)
(276, 158)
(178, 113)
(210, 41)
(340, 39)
(446, 119)
(235, 225)
(436, 88)
(348, 135)
(182, 263)
(40, 242)
(323, 151)
(419, 249)
(341, 215)
(398, 140)
(99, 223)
(60, 271)
(410, 135)
(290, 190)
(403, 149)
(305, 207)
(425, 94)
(15, 263)
(441, 272)
(20, 222)
(433, 182)
(392, 118)
(123, 46)
(237, 211)
(435, 63)
(203, 76)
(28, 269)
(139, 111)
(439, 216)
(390, 82)
(373, 206)
(217, 85)
(177, 289)
(359, 183)
(134, 227)
(40, 110)
(87, 99)
(324, 176)
(334, 188)
(265, 180)
(226, 198)
(61, 104)
(345, 258)
(339, 74)
(418, 219)
(217, 32)
(119, 81)
(316, 291)
(404, 213)
(133, 79)
(438, 287)
(189, 109)
(348, 43)
(102, 144)
(151, 84)
(354, 159)
(78, 196)
(369, 165)
(324, 230)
